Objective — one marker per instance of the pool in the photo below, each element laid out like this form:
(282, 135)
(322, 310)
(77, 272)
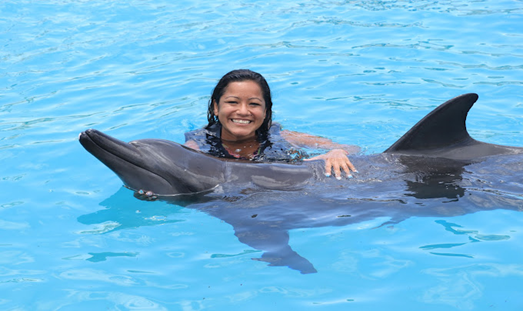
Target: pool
(358, 72)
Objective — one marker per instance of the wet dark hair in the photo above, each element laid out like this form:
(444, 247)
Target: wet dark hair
(240, 75)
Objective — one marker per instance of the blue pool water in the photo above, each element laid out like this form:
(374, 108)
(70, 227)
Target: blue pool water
(358, 72)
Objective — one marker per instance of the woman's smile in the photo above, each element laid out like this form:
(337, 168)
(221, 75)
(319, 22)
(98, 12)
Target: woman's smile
(241, 121)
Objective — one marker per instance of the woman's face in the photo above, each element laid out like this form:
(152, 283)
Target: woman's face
(241, 110)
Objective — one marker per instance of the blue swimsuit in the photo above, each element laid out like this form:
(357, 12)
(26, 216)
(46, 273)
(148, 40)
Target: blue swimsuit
(273, 148)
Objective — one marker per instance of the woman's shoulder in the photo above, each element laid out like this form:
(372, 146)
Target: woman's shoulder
(275, 128)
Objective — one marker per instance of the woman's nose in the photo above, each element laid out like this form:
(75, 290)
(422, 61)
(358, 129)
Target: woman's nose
(243, 109)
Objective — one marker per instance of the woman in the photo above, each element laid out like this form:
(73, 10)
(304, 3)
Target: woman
(240, 126)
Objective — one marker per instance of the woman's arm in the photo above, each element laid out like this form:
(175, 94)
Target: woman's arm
(310, 141)
(336, 159)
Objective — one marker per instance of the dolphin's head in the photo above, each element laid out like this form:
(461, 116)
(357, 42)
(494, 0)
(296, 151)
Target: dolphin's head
(160, 166)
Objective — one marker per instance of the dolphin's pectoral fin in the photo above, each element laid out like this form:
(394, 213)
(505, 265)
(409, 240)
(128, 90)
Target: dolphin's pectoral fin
(275, 244)
(286, 257)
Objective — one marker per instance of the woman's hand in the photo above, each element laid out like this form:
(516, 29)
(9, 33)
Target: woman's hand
(145, 195)
(336, 160)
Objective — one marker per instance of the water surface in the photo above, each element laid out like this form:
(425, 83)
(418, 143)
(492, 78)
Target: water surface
(358, 72)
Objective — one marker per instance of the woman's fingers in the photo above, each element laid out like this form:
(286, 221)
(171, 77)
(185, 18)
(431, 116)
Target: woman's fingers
(336, 161)
(337, 166)
(351, 167)
(346, 169)
(145, 195)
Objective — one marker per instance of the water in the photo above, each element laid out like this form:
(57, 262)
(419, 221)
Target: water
(358, 72)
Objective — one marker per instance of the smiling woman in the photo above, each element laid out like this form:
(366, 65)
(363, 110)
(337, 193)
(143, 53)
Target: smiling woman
(241, 111)
(240, 126)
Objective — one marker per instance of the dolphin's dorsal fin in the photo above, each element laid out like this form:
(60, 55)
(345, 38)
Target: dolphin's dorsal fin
(443, 127)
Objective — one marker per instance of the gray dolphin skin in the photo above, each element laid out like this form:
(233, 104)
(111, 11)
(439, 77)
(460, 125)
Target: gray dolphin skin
(435, 169)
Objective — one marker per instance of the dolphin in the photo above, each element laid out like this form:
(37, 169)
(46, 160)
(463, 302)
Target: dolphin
(169, 169)
(435, 169)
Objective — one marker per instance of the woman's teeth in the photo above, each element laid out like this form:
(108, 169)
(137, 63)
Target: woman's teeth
(241, 121)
